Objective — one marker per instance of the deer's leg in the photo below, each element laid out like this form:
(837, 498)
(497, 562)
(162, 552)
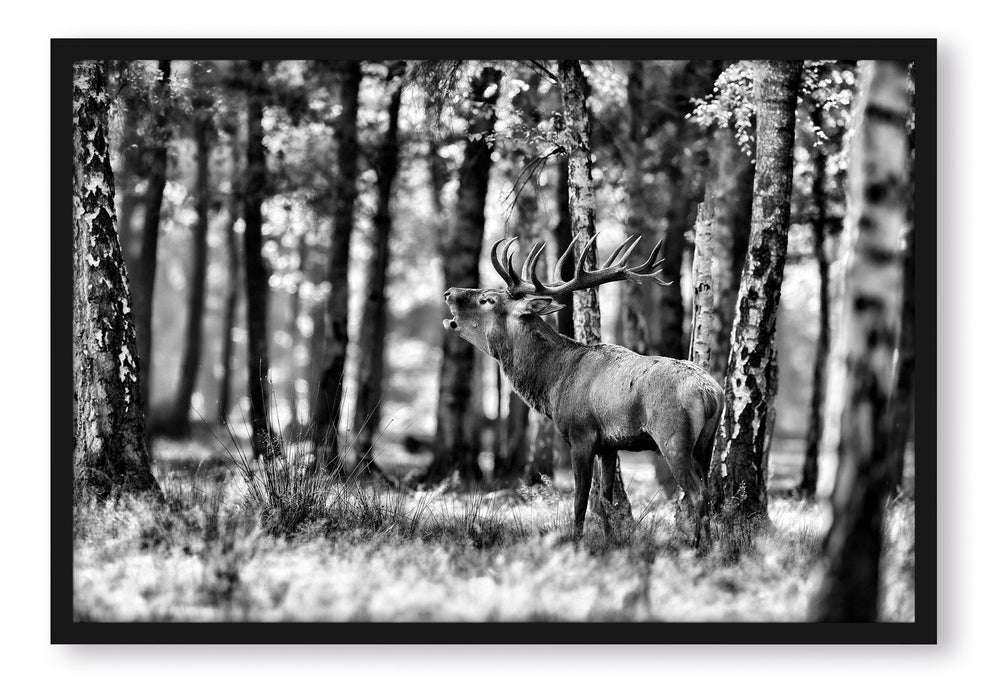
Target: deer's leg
(604, 506)
(608, 474)
(582, 463)
(702, 453)
(678, 451)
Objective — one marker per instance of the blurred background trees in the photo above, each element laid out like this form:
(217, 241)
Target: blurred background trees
(879, 182)
(289, 228)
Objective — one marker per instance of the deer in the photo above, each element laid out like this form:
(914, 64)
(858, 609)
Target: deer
(601, 398)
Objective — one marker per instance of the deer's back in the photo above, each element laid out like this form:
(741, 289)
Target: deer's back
(621, 397)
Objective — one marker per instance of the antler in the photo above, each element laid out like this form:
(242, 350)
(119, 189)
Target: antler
(615, 268)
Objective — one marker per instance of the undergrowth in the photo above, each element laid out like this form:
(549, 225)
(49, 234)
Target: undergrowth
(277, 539)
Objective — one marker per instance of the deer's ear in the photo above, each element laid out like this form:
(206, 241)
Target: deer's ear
(541, 306)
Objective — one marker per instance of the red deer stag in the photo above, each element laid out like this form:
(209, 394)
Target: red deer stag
(602, 398)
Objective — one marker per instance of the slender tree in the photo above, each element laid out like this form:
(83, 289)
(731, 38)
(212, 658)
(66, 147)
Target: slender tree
(732, 205)
(565, 321)
(109, 454)
(230, 301)
(902, 402)
(133, 168)
(749, 381)
(232, 127)
(513, 447)
(809, 470)
(637, 301)
(562, 238)
(176, 423)
(525, 449)
(256, 271)
(456, 445)
(144, 290)
(371, 341)
(877, 214)
(703, 323)
(316, 255)
(296, 306)
(538, 458)
(576, 138)
(330, 393)
(667, 147)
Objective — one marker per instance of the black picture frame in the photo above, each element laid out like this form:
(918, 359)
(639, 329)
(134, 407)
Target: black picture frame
(65, 630)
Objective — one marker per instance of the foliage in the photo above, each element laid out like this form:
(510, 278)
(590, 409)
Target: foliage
(731, 105)
(825, 85)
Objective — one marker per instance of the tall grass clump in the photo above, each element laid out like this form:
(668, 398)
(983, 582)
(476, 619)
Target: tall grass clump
(283, 487)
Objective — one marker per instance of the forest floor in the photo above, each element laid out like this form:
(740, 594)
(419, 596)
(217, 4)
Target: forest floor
(275, 545)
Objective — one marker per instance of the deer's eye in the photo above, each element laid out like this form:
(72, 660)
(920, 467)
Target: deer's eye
(485, 300)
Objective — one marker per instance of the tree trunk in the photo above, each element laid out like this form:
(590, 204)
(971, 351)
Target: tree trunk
(877, 207)
(809, 471)
(773, 383)
(316, 340)
(371, 342)
(659, 97)
(744, 432)
(177, 422)
(636, 335)
(702, 327)
(230, 304)
(581, 205)
(560, 454)
(513, 450)
(109, 455)
(131, 170)
(330, 393)
(733, 209)
(562, 237)
(255, 268)
(144, 289)
(902, 402)
(295, 314)
(669, 332)
(457, 443)
(535, 459)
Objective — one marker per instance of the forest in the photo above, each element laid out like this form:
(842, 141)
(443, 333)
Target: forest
(365, 340)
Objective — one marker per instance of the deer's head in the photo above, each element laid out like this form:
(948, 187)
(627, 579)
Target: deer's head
(487, 318)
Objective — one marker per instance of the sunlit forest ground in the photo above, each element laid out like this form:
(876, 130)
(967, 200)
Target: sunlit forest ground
(363, 550)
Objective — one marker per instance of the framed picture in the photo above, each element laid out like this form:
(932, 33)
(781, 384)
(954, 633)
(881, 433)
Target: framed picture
(501, 341)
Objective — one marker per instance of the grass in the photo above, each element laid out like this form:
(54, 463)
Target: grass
(275, 542)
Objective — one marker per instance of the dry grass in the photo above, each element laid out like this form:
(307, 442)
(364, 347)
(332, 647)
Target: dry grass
(284, 548)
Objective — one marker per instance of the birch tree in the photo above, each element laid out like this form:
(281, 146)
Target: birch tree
(749, 380)
(576, 139)
(877, 217)
(109, 453)
(732, 209)
(703, 321)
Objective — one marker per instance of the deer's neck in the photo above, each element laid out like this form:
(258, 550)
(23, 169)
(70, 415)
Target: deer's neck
(535, 357)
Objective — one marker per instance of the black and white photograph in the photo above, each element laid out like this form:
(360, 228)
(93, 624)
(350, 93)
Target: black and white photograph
(513, 340)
